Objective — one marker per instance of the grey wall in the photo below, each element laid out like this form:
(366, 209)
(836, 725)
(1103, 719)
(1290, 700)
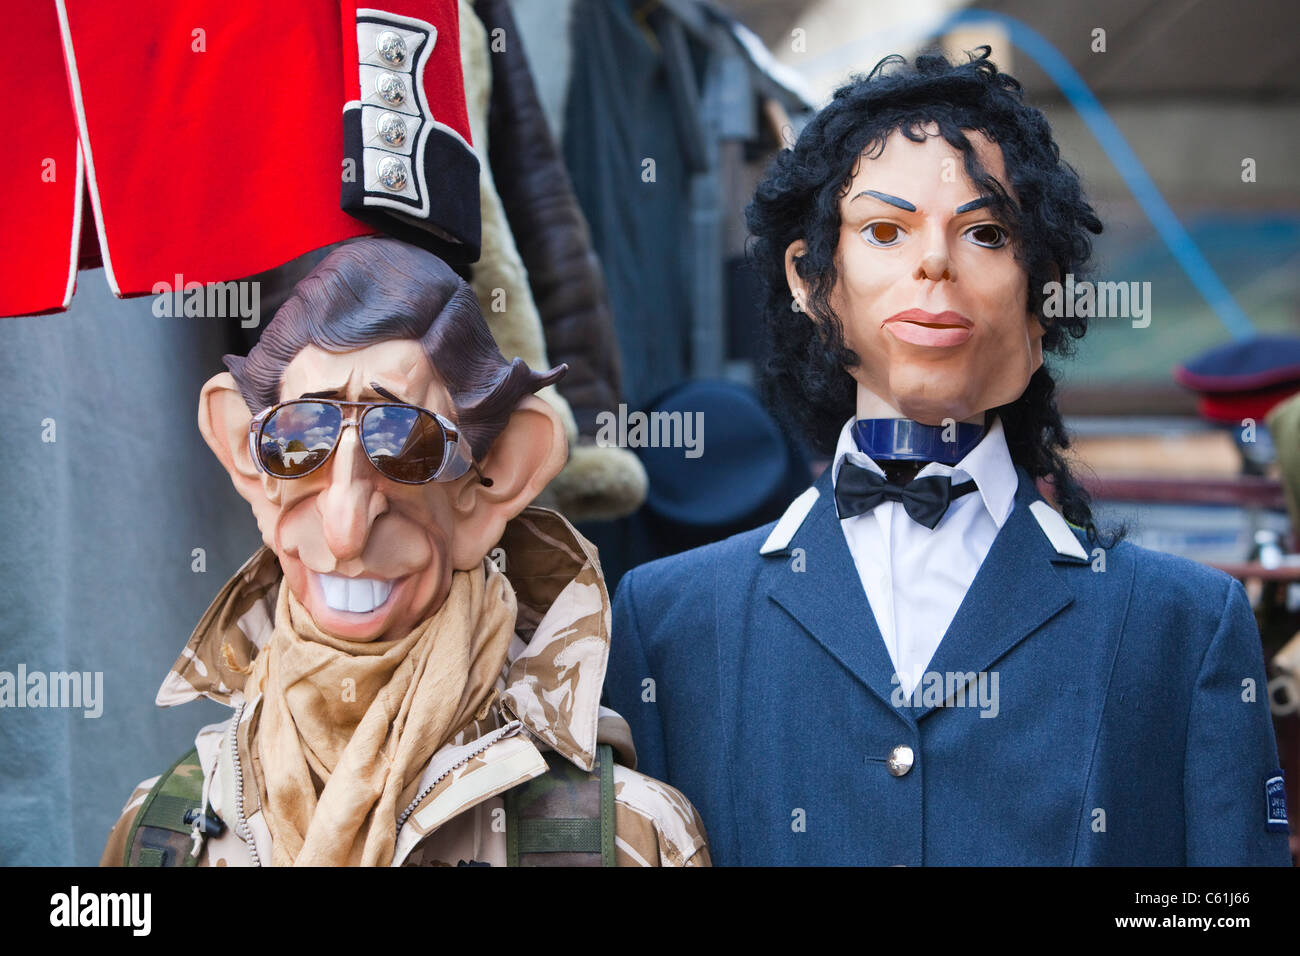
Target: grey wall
(96, 534)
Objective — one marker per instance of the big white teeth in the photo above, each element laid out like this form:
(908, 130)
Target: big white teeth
(358, 595)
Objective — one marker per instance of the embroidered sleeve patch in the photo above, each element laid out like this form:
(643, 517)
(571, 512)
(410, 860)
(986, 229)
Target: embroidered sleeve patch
(1275, 799)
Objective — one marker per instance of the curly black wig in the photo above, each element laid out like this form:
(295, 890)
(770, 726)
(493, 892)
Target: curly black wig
(803, 377)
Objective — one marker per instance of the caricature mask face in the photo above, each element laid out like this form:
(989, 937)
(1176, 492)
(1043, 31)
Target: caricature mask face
(347, 537)
(929, 293)
(366, 556)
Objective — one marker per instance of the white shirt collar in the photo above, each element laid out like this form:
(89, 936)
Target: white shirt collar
(988, 463)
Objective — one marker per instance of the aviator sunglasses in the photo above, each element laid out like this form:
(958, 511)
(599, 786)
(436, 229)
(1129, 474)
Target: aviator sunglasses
(404, 442)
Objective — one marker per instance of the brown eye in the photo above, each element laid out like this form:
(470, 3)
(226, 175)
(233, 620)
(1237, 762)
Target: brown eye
(881, 233)
(988, 235)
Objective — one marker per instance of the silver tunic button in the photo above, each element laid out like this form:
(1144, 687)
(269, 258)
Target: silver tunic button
(392, 173)
(392, 129)
(900, 760)
(391, 47)
(391, 88)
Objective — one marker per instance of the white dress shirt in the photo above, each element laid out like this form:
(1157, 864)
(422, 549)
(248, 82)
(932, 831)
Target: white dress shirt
(916, 577)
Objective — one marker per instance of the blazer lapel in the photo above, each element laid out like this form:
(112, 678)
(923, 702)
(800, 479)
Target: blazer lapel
(826, 598)
(1015, 592)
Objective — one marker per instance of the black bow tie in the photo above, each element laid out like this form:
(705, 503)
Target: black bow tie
(926, 500)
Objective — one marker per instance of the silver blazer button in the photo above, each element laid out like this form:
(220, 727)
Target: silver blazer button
(900, 760)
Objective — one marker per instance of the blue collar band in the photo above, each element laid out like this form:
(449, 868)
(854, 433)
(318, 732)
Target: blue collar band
(901, 439)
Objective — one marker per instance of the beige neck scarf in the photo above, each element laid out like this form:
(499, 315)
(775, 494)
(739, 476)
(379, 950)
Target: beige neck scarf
(345, 728)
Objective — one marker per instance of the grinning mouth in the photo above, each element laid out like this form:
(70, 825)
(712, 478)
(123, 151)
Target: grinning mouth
(357, 595)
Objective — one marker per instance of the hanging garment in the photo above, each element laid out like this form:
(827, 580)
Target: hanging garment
(207, 143)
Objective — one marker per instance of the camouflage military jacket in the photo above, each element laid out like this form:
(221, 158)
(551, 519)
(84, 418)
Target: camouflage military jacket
(548, 698)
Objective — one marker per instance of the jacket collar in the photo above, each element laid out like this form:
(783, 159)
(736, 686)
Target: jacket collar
(555, 669)
(1016, 591)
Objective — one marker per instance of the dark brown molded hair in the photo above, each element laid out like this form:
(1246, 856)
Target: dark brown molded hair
(375, 289)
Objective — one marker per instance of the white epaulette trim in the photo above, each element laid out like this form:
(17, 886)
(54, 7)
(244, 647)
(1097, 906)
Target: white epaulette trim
(794, 516)
(1057, 530)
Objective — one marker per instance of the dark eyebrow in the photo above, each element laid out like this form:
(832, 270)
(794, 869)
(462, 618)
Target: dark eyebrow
(385, 393)
(885, 197)
(973, 204)
(377, 389)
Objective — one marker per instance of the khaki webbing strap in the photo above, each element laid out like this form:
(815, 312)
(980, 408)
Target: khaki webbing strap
(168, 812)
(565, 813)
(159, 834)
(608, 856)
(560, 836)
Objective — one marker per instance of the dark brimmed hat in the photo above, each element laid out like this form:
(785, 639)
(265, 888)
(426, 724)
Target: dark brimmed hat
(1243, 379)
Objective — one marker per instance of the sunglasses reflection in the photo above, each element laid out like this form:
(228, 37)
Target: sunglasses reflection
(403, 442)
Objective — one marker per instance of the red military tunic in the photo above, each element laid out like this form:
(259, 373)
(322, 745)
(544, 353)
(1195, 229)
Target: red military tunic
(214, 141)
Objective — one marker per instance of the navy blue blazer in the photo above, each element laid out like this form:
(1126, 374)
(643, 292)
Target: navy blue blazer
(1131, 723)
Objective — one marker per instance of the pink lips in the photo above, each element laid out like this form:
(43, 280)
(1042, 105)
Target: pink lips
(918, 327)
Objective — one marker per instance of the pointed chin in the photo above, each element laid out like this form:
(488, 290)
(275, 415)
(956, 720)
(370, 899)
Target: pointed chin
(932, 385)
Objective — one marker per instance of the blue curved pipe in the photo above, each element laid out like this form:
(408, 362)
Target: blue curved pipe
(1135, 176)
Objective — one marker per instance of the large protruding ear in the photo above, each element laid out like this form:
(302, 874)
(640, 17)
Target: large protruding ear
(223, 421)
(798, 286)
(526, 455)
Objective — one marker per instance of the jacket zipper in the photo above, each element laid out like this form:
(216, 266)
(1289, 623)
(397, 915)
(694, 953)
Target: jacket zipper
(245, 832)
(241, 825)
(508, 730)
